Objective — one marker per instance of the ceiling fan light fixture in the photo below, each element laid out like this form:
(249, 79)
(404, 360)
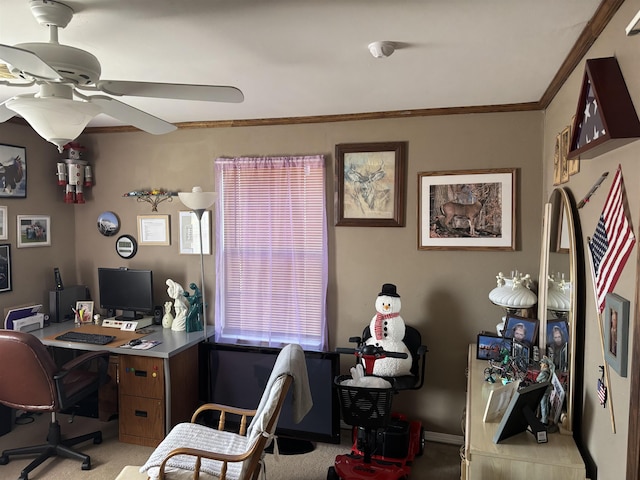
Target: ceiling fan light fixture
(57, 120)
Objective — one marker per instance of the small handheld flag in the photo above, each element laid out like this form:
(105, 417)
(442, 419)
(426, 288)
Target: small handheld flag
(602, 389)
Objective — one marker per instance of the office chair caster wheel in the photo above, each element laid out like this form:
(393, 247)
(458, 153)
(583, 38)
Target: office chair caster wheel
(97, 440)
(86, 465)
(4, 459)
(332, 475)
(23, 476)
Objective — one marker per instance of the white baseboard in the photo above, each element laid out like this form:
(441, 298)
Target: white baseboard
(443, 438)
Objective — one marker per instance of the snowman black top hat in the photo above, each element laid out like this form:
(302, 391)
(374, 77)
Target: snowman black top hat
(389, 290)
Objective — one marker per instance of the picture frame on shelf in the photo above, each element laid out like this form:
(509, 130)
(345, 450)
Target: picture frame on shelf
(4, 224)
(153, 230)
(370, 181)
(84, 310)
(5, 268)
(33, 231)
(13, 174)
(190, 233)
(616, 332)
(490, 346)
(467, 210)
(513, 328)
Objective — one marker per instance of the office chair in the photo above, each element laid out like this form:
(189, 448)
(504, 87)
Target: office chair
(195, 451)
(31, 381)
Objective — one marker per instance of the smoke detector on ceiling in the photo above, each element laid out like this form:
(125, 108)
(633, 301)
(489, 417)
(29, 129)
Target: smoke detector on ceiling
(381, 49)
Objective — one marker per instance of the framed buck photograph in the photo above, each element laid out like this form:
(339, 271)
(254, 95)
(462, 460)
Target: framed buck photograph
(467, 210)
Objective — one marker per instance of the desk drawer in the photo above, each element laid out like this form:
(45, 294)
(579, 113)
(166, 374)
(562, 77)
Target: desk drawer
(141, 376)
(141, 417)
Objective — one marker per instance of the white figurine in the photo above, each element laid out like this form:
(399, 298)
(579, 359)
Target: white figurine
(167, 319)
(180, 305)
(387, 331)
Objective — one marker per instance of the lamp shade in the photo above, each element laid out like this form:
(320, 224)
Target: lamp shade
(559, 294)
(513, 292)
(197, 199)
(57, 120)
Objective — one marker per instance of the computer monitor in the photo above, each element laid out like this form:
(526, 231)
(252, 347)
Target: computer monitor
(125, 289)
(520, 413)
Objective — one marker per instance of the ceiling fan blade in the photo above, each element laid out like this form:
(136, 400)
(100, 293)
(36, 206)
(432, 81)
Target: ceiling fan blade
(178, 91)
(28, 62)
(132, 116)
(5, 113)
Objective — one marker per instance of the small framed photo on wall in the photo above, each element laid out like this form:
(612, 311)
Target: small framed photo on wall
(13, 171)
(33, 231)
(4, 231)
(5, 268)
(616, 332)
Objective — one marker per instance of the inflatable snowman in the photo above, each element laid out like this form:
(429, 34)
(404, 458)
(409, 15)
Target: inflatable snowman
(387, 331)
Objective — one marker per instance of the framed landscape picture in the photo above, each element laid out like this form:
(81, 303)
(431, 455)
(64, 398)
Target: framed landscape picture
(467, 210)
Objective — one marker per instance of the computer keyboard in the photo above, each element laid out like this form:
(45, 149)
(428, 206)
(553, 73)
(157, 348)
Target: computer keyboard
(94, 338)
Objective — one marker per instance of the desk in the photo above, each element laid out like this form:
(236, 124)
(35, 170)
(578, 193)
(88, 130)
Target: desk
(518, 457)
(157, 387)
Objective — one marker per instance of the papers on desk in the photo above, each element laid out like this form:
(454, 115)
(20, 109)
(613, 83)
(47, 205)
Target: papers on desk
(144, 345)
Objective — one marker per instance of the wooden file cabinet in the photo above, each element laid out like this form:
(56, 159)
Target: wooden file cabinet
(155, 394)
(518, 457)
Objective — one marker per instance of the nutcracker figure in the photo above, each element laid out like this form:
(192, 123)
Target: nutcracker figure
(74, 173)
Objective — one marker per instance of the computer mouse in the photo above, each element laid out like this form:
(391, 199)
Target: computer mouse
(135, 341)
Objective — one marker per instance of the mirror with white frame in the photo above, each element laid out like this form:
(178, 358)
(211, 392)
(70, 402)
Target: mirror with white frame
(557, 307)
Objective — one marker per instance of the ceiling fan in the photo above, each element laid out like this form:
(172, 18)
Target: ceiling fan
(61, 72)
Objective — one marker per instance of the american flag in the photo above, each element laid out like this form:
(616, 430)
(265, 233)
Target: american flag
(611, 243)
(591, 127)
(602, 392)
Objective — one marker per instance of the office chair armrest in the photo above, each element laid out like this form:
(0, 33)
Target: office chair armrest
(244, 413)
(85, 373)
(82, 359)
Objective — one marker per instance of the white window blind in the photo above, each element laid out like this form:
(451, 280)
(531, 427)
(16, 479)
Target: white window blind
(271, 251)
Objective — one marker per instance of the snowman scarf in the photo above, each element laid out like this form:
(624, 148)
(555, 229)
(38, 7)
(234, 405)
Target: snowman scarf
(378, 327)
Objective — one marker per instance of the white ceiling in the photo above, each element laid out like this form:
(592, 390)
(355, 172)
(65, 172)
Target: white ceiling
(298, 58)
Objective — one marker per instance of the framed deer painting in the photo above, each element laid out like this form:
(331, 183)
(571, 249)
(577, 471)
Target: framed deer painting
(467, 210)
(371, 184)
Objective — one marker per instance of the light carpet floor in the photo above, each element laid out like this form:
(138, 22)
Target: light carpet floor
(439, 462)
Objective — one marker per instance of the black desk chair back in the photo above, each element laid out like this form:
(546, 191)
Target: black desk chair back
(31, 381)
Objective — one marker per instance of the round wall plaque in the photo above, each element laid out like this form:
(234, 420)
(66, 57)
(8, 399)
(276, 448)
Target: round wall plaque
(126, 246)
(108, 224)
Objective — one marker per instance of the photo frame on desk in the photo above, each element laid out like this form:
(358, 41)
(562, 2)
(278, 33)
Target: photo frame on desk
(84, 309)
(514, 326)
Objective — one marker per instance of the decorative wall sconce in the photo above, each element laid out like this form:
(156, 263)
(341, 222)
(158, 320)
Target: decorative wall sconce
(154, 197)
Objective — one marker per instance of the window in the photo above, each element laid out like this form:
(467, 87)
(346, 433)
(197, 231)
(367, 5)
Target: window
(271, 251)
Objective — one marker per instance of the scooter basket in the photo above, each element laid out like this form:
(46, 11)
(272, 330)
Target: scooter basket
(365, 407)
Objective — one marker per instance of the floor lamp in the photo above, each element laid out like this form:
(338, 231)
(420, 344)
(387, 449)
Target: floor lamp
(198, 201)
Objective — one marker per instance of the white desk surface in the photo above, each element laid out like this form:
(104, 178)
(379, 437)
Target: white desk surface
(172, 342)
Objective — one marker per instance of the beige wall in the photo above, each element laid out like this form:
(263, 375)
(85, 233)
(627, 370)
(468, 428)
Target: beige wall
(607, 449)
(444, 293)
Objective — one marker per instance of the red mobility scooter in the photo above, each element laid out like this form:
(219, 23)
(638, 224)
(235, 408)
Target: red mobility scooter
(384, 443)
